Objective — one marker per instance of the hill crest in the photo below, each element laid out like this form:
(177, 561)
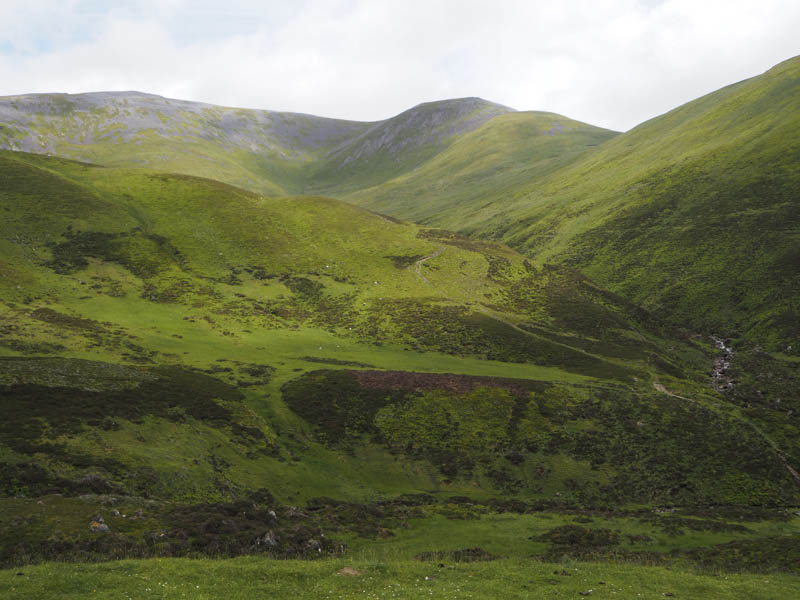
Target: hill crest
(270, 152)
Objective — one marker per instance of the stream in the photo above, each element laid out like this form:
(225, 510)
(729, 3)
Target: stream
(720, 379)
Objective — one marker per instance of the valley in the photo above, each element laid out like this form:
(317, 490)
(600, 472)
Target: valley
(461, 334)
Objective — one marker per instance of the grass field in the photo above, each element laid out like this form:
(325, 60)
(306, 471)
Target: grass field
(503, 579)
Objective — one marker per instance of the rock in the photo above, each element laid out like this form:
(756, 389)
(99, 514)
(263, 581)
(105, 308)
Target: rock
(268, 539)
(295, 513)
(349, 571)
(98, 527)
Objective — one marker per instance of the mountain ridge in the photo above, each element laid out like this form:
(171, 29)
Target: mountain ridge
(267, 151)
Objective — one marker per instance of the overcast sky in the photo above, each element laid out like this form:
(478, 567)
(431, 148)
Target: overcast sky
(612, 63)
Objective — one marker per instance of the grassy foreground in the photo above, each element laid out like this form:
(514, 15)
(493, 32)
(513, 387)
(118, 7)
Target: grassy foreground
(252, 577)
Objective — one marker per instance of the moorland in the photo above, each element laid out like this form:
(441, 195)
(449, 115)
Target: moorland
(418, 356)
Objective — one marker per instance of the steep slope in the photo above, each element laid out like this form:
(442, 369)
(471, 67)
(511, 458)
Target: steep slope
(398, 145)
(694, 214)
(483, 169)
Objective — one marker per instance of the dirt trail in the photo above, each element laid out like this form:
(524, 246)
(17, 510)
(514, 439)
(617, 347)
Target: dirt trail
(418, 264)
(660, 388)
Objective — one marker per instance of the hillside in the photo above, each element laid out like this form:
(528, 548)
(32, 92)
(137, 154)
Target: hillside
(141, 276)
(194, 350)
(483, 170)
(269, 152)
(256, 149)
(401, 144)
(693, 214)
(662, 214)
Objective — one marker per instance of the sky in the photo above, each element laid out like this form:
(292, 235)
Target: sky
(611, 63)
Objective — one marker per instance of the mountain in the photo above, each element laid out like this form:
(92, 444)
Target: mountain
(463, 186)
(269, 152)
(663, 214)
(257, 149)
(400, 144)
(693, 214)
(463, 153)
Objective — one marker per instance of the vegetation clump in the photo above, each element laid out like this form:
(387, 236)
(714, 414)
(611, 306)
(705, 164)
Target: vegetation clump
(336, 404)
(145, 254)
(577, 537)
(633, 447)
(467, 555)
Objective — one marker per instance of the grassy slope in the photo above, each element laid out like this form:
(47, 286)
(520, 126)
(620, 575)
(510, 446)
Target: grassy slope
(694, 214)
(180, 265)
(663, 214)
(152, 270)
(398, 145)
(483, 169)
(264, 151)
(261, 150)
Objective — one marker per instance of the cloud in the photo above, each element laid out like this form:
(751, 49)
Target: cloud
(612, 63)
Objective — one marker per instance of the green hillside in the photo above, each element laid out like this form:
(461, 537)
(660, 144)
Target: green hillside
(483, 170)
(275, 153)
(260, 150)
(693, 214)
(662, 214)
(150, 269)
(174, 341)
(400, 145)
